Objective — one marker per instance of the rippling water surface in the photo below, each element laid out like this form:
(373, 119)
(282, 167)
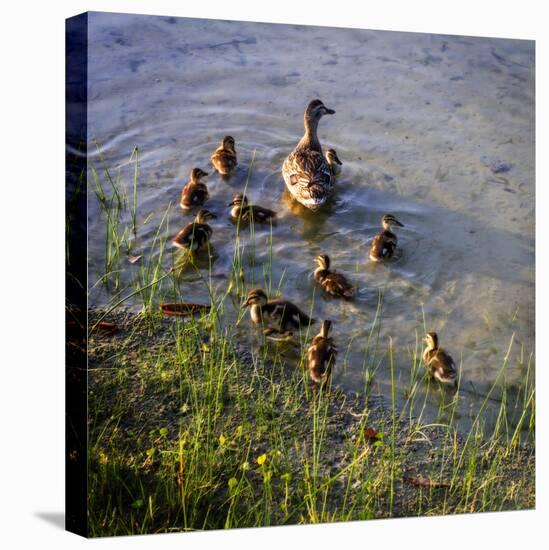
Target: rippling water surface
(438, 130)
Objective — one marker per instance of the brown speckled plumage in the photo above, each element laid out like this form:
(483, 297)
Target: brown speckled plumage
(195, 235)
(247, 212)
(333, 162)
(384, 244)
(224, 158)
(332, 282)
(195, 192)
(440, 364)
(321, 355)
(305, 171)
(281, 314)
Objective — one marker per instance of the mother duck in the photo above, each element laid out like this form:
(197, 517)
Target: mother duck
(306, 172)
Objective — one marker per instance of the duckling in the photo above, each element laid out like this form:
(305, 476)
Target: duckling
(384, 245)
(333, 162)
(284, 315)
(441, 366)
(332, 282)
(195, 192)
(321, 355)
(224, 158)
(196, 234)
(306, 172)
(246, 212)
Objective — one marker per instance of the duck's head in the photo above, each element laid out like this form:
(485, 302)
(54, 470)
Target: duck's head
(198, 174)
(239, 200)
(228, 143)
(323, 261)
(332, 158)
(256, 296)
(431, 340)
(316, 110)
(325, 328)
(204, 215)
(389, 221)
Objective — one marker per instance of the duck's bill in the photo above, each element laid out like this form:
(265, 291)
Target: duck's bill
(329, 111)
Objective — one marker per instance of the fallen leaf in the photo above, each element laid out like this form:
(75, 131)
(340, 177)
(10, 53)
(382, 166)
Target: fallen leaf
(370, 434)
(134, 259)
(183, 309)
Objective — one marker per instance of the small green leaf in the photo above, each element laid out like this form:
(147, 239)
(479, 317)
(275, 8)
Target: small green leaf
(137, 504)
(150, 452)
(163, 432)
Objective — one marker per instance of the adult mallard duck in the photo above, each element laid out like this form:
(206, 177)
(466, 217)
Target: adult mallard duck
(280, 316)
(384, 245)
(332, 282)
(333, 162)
(224, 158)
(306, 172)
(321, 355)
(440, 364)
(196, 234)
(246, 212)
(195, 192)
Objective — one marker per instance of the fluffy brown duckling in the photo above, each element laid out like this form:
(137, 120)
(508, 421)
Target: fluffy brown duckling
(246, 212)
(195, 235)
(280, 316)
(224, 158)
(384, 245)
(332, 282)
(333, 162)
(195, 192)
(440, 364)
(321, 355)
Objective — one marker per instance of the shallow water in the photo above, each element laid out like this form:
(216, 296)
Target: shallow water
(438, 130)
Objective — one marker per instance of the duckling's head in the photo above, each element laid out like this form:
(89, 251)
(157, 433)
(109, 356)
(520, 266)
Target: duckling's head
(431, 339)
(204, 215)
(198, 174)
(332, 158)
(316, 110)
(325, 328)
(388, 221)
(323, 261)
(228, 143)
(256, 296)
(239, 200)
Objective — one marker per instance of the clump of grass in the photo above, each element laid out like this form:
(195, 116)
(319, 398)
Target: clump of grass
(194, 426)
